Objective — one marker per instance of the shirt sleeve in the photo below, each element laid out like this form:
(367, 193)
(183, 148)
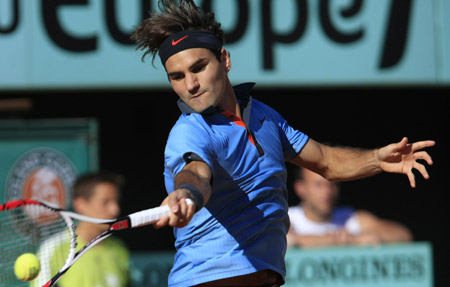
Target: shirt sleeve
(292, 139)
(188, 140)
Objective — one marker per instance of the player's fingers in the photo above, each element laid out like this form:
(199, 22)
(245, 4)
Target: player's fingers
(188, 210)
(412, 178)
(184, 214)
(161, 223)
(423, 171)
(175, 220)
(172, 201)
(423, 144)
(423, 155)
(402, 144)
(191, 210)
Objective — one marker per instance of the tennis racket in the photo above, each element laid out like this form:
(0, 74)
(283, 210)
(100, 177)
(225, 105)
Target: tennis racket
(50, 232)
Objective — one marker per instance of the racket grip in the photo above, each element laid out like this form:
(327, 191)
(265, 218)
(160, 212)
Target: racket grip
(152, 215)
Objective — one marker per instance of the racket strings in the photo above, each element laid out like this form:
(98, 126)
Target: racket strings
(32, 229)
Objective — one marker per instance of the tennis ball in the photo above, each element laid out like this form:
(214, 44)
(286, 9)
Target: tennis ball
(27, 267)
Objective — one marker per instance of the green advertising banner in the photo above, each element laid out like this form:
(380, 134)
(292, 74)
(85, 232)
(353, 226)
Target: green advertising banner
(50, 44)
(42, 158)
(394, 265)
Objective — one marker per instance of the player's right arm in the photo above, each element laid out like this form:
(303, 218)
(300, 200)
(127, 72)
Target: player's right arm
(193, 182)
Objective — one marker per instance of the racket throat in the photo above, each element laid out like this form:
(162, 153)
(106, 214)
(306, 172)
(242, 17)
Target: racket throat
(121, 224)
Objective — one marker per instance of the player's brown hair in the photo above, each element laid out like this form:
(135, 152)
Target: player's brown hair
(174, 16)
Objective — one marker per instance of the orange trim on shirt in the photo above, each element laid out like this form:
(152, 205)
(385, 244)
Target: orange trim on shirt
(237, 120)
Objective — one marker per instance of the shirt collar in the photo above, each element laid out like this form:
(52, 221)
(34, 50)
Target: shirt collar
(242, 92)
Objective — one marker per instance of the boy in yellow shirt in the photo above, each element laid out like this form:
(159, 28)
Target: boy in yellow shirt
(106, 264)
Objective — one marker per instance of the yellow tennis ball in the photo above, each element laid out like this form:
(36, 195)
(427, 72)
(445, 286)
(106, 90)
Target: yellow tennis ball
(27, 267)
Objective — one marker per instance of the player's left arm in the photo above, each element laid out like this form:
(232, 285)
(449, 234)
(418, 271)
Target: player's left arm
(337, 163)
(402, 157)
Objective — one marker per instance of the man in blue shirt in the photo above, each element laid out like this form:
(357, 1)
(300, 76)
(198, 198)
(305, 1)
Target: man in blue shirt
(227, 152)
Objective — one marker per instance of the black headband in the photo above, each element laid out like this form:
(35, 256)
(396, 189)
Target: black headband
(187, 40)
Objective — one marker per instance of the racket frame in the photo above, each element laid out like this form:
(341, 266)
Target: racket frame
(133, 220)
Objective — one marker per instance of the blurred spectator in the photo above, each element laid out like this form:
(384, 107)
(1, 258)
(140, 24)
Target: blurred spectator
(107, 263)
(317, 221)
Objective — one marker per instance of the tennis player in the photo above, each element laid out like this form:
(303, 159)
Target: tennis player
(227, 152)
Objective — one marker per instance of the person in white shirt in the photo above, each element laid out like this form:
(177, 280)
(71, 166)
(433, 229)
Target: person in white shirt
(317, 221)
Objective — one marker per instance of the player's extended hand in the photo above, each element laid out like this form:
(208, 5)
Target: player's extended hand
(182, 212)
(402, 157)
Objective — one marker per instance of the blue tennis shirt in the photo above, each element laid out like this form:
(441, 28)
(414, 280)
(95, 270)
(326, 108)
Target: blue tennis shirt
(242, 229)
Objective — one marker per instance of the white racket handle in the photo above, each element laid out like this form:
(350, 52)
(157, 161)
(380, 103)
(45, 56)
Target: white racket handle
(152, 215)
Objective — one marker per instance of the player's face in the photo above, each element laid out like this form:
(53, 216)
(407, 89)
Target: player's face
(199, 79)
(104, 202)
